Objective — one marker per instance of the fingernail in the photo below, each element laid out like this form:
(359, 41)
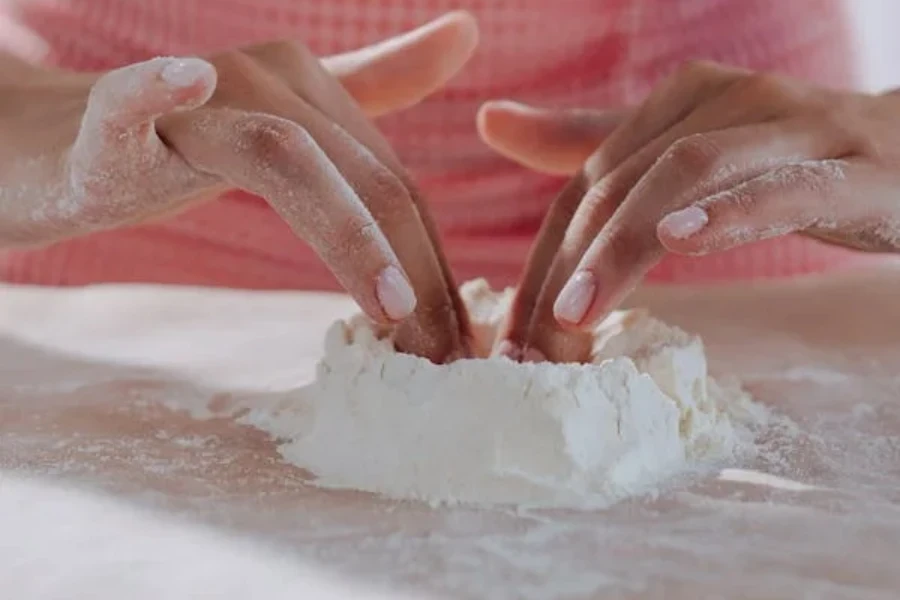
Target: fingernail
(185, 72)
(396, 296)
(534, 355)
(509, 349)
(576, 297)
(685, 223)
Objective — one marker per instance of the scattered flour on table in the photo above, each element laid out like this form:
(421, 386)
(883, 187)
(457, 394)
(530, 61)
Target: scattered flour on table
(493, 431)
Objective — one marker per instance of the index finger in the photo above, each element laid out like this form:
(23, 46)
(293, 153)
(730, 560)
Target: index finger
(693, 168)
(278, 160)
(325, 94)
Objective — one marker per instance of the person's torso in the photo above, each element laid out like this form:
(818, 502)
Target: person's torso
(589, 53)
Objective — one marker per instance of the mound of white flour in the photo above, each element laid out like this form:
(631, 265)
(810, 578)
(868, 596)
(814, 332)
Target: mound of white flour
(490, 430)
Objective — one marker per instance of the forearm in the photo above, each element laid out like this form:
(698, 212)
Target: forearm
(40, 109)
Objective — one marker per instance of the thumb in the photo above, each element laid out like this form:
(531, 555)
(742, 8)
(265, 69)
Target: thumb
(551, 141)
(400, 71)
(118, 124)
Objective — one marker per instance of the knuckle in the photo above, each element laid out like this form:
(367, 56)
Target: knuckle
(387, 198)
(626, 246)
(696, 154)
(565, 209)
(348, 243)
(595, 208)
(603, 196)
(359, 238)
(566, 204)
(270, 138)
(385, 183)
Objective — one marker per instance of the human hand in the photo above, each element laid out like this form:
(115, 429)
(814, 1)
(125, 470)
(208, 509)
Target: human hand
(94, 152)
(714, 158)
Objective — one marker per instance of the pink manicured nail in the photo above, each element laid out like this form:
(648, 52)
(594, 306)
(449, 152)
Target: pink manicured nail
(185, 72)
(685, 223)
(576, 298)
(396, 296)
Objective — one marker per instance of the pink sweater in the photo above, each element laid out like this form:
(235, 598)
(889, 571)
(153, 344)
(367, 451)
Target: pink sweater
(593, 53)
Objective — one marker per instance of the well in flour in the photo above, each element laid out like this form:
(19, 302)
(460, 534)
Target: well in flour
(494, 431)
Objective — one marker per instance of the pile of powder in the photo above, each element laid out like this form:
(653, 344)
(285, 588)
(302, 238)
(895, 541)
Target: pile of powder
(494, 431)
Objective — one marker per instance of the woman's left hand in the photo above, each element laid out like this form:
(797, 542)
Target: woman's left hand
(715, 157)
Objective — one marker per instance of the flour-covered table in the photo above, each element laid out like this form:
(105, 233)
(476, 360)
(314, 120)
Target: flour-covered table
(92, 383)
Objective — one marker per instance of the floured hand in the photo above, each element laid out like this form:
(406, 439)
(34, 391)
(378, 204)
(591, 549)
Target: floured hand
(714, 158)
(94, 152)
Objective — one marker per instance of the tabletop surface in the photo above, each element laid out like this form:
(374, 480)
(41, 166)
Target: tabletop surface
(99, 384)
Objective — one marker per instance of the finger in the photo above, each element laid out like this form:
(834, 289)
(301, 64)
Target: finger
(133, 96)
(693, 168)
(277, 159)
(123, 104)
(431, 331)
(744, 153)
(439, 328)
(399, 72)
(694, 160)
(686, 103)
(667, 105)
(792, 198)
(517, 329)
(550, 141)
(117, 151)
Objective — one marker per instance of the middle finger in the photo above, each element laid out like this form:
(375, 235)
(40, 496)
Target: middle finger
(323, 93)
(433, 330)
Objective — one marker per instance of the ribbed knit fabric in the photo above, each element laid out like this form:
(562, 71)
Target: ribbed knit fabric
(593, 53)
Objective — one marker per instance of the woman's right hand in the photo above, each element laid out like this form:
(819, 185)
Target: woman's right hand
(88, 152)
